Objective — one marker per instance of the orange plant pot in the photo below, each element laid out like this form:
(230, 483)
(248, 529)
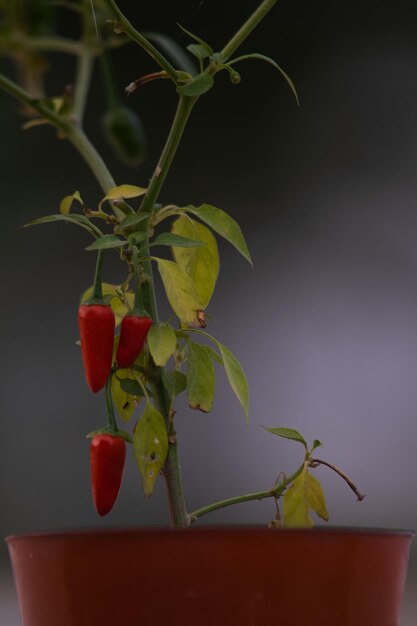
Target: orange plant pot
(211, 577)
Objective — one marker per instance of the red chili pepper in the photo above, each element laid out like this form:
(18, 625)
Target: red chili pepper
(107, 459)
(96, 322)
(133, 333)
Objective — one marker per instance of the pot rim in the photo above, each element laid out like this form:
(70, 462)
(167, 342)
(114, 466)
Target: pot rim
(209, 530)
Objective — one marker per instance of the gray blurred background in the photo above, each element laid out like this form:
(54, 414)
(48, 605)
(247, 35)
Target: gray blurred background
(326, 322)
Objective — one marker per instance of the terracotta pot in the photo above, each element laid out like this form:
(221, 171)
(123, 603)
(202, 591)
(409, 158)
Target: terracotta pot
(211, 577)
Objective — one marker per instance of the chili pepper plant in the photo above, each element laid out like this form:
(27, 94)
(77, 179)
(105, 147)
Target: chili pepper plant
(136, 362)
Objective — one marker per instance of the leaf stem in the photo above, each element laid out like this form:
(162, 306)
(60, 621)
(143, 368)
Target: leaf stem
(128, 29)
(97, 286)
(276, 492)
(109, 405)
(245, 30)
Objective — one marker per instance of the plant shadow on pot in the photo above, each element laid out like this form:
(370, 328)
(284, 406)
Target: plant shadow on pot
(206, 576)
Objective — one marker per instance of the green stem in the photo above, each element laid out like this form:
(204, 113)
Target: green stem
(97, 296)
(93, 159)
(129, 30)
(85, 63)
(276, 492)
(138, 308)
(172, 471)
(178, 515)
(185, 106)
(247, 28)
(109, 405)
(82, 82)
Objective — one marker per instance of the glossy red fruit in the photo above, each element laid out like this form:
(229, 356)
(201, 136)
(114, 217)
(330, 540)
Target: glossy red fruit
(107, 459)
(133, 332)
(96, 323)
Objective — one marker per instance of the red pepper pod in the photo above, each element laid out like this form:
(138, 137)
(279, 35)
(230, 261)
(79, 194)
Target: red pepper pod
(107, 459)
(133, 332)
(96, 323)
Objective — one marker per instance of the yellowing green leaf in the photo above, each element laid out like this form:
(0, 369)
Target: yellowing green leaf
(125, 402)
(150, 445)
(200, 378)
(66, 203)
(304, 495)
(201, 264)
(162, 341)
(222, 224)
(181, 291)
(120, 304)
(123, 191)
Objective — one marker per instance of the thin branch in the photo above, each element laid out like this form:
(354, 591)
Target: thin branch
(317, 462)
(126, 27)
(275, 492)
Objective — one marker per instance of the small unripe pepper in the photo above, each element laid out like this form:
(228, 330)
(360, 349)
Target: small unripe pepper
(96, 322)
(125, 134)
(133, 332)
(107, 460)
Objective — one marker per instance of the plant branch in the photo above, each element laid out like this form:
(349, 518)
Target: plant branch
(276, 492)
(172, 471)
(126, 27)
(68, 128)
(317, 462)
(247, 28)
(17, 41)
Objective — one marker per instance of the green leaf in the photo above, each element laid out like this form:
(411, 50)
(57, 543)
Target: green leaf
(162, 342)
(316, 444)
(304, 495)
(105, 242)
(200, 378)
(66, 203)
(202, 43)
(213, 355)
(199, 85)
(136, 238)
(78, 220)
(170, 239)
(121, 302)
(181, 291)
(125, 401)
(123, 191)
(235, 376)
(222, 224)
(262, 57)
(199, 51)
(287, 433)
(201, 264)
(150, 445)
(175, 382)
(131, 386)
(131, 222)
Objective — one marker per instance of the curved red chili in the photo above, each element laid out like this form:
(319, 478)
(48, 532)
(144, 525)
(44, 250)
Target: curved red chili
(133, 332)
(107, 459)
(96, 322)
